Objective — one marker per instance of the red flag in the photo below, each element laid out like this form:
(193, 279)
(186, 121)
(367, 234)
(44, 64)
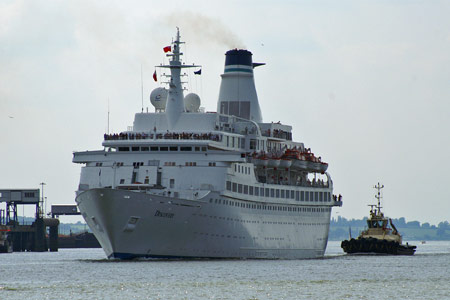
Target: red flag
(154, 76)
(167, 49)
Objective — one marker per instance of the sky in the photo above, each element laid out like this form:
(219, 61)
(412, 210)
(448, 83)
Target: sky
(365, 85)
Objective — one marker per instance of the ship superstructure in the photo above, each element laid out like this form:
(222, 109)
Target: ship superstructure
(185, 183)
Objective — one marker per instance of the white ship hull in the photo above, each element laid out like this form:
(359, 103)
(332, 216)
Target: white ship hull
(166, 227)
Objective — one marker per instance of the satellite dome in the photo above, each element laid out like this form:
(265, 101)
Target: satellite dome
(158, 98)
(192, 102)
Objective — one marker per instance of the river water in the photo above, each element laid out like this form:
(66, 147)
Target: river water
(87, 274)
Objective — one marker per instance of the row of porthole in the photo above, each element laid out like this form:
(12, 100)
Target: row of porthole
(220, 235)
(257, 222)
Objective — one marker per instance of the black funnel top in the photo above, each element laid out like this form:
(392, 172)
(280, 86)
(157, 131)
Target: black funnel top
(238, 57)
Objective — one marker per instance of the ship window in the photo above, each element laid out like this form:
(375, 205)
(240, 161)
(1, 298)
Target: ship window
(246, 189)
(292, 194)
(232, 142)
(239, 188)
(185, 148)
(144, 148)
(311, 196)
(278, 193)
(124, 149)
(321, 196)
(302, 195)
(250, 190)
(239, 168)
(261, 192)
(316, 196)
(153, 148)
(173, 148)
(282, 193)
(153, 162)
(134, 148)
(272, 193)
(306, 196)
(252, 144)
(234, 187)
(267, 192)
(203, 149)
(122, 181)
(197, 148)
(163, 148)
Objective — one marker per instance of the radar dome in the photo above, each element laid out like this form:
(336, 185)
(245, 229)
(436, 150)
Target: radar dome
(192, 102)
(158, 98)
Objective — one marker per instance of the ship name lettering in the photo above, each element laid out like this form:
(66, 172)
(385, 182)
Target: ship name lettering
(164, 214)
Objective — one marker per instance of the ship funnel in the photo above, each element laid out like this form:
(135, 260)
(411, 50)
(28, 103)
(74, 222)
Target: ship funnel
(237, 94)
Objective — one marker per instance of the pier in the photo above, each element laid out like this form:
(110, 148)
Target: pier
(22, 237)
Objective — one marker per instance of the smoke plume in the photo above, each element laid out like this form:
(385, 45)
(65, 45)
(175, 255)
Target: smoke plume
(204, 30)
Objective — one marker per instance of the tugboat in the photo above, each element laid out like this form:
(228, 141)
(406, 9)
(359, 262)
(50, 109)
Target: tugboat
(378, 238)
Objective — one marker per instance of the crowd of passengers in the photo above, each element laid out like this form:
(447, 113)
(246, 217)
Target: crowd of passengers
(278, 133)
(168, 136)
(300, 181)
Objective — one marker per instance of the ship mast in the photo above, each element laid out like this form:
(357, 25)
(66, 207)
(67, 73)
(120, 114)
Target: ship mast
(175, 98)
(378, 196)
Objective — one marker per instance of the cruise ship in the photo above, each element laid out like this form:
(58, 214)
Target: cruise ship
(184, 183)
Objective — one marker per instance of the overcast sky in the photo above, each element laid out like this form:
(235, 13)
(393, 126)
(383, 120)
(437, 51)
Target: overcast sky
(365, 85)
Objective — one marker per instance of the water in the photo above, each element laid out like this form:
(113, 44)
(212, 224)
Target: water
(86, 274)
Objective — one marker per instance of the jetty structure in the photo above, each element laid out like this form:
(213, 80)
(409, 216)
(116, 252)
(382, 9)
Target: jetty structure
(16, 237)
(184, 183)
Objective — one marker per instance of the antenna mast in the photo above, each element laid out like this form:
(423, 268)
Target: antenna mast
(378, 196)
(108, 117)
(142, 91)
